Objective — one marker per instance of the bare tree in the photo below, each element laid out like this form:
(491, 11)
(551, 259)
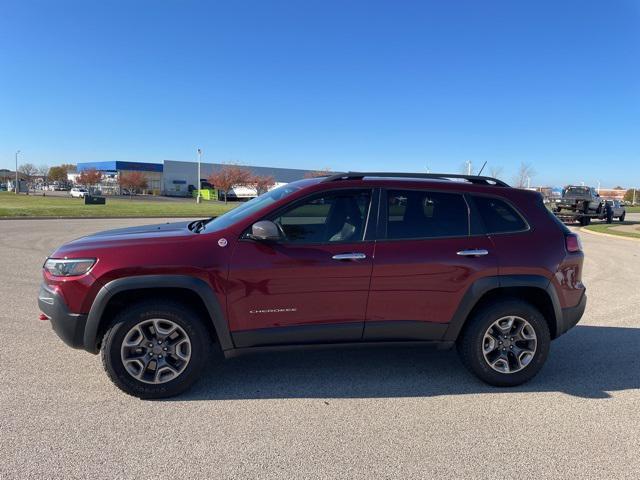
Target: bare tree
(525, 172)
(28, 171)
(496, 172)
(43, 171)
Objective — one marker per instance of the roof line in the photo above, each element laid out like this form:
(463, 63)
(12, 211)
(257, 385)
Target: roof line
(475, 179)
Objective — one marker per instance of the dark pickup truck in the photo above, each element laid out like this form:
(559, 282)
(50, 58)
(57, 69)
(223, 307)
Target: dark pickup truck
(581, 204)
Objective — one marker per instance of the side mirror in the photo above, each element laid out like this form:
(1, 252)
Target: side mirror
(265, 230)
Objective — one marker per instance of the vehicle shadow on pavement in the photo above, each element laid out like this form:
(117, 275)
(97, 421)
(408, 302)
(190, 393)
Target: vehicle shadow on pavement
(587, 362)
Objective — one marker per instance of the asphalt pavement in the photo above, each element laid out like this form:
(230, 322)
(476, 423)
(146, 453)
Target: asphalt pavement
(386, 412)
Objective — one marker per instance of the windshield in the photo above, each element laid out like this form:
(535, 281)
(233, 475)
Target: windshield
(249, 208)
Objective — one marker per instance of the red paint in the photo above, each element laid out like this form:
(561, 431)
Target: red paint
(399, 280)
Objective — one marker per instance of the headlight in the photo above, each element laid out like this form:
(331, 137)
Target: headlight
(63, 267)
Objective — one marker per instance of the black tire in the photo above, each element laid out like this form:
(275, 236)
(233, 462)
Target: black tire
(584, 221)
(622, 217)
(200, 349)
(470, 342)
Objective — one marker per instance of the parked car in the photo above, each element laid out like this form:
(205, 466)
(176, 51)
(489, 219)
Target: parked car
(618, 209)
(351, 258)
(78, 192)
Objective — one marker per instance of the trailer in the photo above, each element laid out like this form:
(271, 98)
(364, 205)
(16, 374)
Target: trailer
(581, 204)
(584, 219)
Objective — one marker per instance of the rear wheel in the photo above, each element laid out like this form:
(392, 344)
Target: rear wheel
(155, 349)
(506, 343)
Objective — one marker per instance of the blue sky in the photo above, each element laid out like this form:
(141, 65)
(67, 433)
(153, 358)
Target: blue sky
(396, 85)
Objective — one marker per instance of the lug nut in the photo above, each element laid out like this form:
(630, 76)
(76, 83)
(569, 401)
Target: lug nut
(165, 349)
(159, 356)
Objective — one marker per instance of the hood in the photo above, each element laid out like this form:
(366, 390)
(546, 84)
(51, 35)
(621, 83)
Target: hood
(123, 237)
(145, 229)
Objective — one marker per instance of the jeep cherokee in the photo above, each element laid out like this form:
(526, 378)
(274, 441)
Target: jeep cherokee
(349, 258)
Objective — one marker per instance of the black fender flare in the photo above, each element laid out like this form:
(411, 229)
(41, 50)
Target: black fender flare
(484, 285)
(196, 285)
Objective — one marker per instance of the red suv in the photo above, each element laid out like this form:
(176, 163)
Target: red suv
(358, 257)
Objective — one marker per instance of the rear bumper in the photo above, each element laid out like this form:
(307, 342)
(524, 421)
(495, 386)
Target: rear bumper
(68, 326)
(571, 316)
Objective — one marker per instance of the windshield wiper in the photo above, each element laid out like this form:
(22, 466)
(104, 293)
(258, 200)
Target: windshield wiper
(198, 225)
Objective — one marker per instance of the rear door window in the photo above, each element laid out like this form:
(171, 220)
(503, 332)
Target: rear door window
(498, 216)
(425, 214)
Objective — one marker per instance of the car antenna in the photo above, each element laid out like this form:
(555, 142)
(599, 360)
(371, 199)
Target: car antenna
(483, 165)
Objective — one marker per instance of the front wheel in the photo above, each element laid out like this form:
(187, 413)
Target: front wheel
(155, 349)
(506, 343)
(622, 217)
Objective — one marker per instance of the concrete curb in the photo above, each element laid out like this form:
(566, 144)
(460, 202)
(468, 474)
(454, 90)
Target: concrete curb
(591, 232)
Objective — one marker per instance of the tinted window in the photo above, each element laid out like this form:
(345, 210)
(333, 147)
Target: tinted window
(334, 217)
(420, 214)
(498, 216)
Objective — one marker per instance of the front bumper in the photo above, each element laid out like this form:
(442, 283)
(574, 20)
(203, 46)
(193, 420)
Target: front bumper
(68, 326)
(571, 316)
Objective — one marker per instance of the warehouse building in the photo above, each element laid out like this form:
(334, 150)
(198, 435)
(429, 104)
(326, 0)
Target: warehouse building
(179, 178)
(112, 170)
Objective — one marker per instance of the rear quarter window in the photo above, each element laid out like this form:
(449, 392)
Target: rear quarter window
(498, 216)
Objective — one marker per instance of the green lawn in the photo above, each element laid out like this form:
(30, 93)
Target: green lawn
(607, 228)
(12, 205)
(635, 209)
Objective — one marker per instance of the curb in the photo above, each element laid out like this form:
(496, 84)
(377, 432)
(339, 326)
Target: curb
(591, 232)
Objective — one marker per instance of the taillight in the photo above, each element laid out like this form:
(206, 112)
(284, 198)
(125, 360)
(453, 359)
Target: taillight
(573, 243)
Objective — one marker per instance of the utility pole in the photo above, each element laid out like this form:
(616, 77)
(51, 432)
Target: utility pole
(468, 162)
(634, 197)
(198, 199)
(17, 171)
(528, 182)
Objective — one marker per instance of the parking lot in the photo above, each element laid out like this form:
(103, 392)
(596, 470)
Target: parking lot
(385, 412)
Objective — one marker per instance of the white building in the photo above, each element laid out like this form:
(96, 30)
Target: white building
(179, 176)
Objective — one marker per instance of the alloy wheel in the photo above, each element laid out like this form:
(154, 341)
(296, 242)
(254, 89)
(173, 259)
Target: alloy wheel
(509, 344)
(156, 351)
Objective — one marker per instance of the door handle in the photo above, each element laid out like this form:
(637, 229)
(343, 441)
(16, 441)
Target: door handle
(477, 252)
(349, 256)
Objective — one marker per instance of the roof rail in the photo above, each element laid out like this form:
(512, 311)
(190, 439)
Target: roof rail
(475, 179)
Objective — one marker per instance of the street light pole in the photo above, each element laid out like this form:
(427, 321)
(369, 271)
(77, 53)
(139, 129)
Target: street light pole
(199, 182)
(16, 185)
